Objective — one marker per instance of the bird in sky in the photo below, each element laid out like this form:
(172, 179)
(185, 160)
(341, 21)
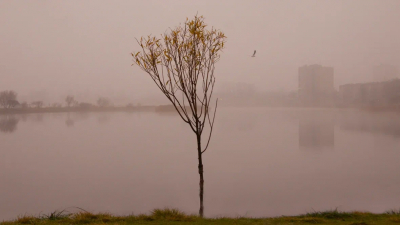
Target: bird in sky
(254, 54)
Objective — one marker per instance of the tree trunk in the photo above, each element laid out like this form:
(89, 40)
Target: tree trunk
(201, 211)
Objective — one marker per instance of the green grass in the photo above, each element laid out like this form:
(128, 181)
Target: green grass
(174, 216)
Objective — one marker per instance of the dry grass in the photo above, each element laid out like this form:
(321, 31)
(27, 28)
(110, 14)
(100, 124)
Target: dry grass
(174, 216)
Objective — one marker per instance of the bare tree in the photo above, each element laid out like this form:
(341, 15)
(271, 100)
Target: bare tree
(69, 100)
(13, 103)
(103, 102)
(37, 104)
(181, 63)
(85, 105)
(56, 105)
(8, 99)
(75, 103)
(24, 105)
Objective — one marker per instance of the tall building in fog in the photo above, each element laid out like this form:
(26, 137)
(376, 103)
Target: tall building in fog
(316, 86)
(384, 72)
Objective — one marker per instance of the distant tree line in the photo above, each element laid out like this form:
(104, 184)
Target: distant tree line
(8, 100)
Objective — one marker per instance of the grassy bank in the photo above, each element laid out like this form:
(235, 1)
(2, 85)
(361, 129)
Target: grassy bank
(172, 216)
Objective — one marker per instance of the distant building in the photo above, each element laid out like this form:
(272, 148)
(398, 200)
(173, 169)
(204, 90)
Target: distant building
(371, 94)
(384, 72)
(316, 87)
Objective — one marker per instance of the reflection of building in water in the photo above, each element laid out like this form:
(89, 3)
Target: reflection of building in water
(386, 124)
(316, 86)
(316, 130)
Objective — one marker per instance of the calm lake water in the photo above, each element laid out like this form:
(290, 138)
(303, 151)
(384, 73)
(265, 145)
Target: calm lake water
(261, 162)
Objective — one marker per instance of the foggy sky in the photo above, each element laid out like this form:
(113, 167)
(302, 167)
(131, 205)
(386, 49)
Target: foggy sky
(54, 48)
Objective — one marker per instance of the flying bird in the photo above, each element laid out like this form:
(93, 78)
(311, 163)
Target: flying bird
(254, 54)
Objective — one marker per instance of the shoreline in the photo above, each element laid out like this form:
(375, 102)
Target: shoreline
(170, 108)
(77, 109)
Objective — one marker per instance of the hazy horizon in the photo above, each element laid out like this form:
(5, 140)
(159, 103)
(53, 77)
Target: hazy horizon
(53, 48)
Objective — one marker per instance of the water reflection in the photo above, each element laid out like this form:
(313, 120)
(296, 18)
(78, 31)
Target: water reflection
(104, 118)
(8, 124)
(23, 117)
(253, 164)
(386, 124)
(239, 121)
(316, 130)
(82, 115)
(69, 122)
(75, 117)
(37, 118)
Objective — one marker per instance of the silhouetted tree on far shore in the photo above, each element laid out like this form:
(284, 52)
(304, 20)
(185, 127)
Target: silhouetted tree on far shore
(8, 99)
(103, 102)
(69, 100)
(24, 105)
(37, 104)
(13, 103)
